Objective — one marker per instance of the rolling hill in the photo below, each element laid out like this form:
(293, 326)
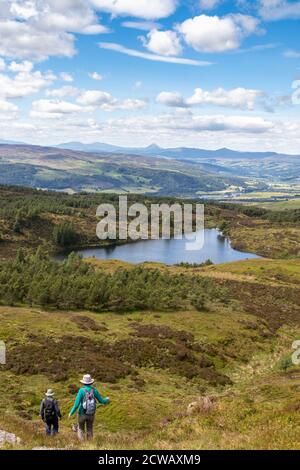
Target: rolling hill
(63, 169)
(264, 165)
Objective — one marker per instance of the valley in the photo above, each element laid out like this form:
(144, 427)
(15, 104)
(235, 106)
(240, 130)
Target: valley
(221, 175)
(157, 337)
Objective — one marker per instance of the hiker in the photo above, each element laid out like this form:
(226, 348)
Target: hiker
(85, 403)
(50, 413)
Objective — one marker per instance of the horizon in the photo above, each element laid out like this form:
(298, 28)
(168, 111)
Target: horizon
(208, 74)
(2, 142)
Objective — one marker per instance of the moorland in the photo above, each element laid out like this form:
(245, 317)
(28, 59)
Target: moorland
(156, 337)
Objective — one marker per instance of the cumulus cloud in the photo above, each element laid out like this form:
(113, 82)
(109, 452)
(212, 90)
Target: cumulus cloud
(38, 29)
(7, 107)
(63, 91)
(95, 98)
(240, 98)
(217, 34)
(22, 40)
(46, 109)
(95, 76)
(165, 43)
(209, 4)
(273, 10)
(153, 57)
(196, 123)
(66, 77)
(25, 82)
(145, 9)
(106, 102)
(25, 66)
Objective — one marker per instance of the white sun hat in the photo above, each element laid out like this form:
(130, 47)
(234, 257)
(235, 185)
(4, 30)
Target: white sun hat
(87, 380)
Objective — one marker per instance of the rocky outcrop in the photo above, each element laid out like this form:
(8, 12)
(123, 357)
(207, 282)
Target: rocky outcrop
(8, 438)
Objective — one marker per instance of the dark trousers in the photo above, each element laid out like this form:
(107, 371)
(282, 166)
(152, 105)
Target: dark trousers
(85, 423)
(51, 426)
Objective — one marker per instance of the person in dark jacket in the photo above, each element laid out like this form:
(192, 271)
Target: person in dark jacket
(50, 413)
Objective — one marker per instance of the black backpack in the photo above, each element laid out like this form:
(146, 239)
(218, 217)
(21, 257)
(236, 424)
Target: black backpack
(49, 409)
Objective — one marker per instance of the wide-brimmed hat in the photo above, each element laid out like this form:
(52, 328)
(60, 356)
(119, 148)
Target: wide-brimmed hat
(87, 380)
(49, 393)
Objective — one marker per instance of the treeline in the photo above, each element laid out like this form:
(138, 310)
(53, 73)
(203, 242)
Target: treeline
(74, 284)
(26, 203)
(291, 215)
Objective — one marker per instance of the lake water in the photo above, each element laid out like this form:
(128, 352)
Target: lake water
(216, 248)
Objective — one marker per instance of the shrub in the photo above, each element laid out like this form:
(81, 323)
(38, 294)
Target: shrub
(65, 235)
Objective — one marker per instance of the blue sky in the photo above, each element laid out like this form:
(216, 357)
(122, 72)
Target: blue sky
(202, 73)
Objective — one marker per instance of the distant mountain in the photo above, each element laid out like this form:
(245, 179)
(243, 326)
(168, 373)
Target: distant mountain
(174, 172)
(10, 142)
(96, 147)
(180, 153)
(124, 172)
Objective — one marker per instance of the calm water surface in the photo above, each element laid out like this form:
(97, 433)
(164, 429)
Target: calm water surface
(216, 248)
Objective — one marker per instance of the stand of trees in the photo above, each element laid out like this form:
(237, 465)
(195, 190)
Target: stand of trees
(74, 284)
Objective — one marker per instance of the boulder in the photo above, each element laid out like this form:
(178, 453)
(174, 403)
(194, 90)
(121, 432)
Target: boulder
(202, 405)
(8, 438)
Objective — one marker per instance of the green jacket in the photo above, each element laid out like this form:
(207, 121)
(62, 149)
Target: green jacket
(81, 396)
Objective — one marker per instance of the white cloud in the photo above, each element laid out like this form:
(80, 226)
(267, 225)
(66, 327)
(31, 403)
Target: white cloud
(8, 107)
(94, 98)
(215, 34)
(46, 109)
(194, 123)
(209, 4)
(38, 29)
(2, 65)
(170, 98)
(239, 98)
(76, 16)
(165, 43)
(153, 57)
(25, 66)
(96, 76)
(25, 82)
(63, 91)
(66, 77)
(106, 102)
(170, 130)
(141, 25)
(292, 54)
(130, 104)
(24, 10)
(146, 9)
(273, 10)
(22, 40)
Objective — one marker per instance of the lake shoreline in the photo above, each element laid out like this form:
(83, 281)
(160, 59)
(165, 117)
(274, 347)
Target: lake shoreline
(217, 248)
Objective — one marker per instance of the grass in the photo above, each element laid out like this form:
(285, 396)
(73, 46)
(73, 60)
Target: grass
(148, 405)
(281, 205)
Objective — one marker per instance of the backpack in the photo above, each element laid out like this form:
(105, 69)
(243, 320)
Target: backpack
(49, 409)
(89, 403)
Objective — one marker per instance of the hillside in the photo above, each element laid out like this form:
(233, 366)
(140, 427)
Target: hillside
(234, 351)
(159, 340)
(69, 170)
(266, 166)
(29, 218)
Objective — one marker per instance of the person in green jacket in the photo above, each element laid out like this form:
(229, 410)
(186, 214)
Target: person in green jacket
(85, 403)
